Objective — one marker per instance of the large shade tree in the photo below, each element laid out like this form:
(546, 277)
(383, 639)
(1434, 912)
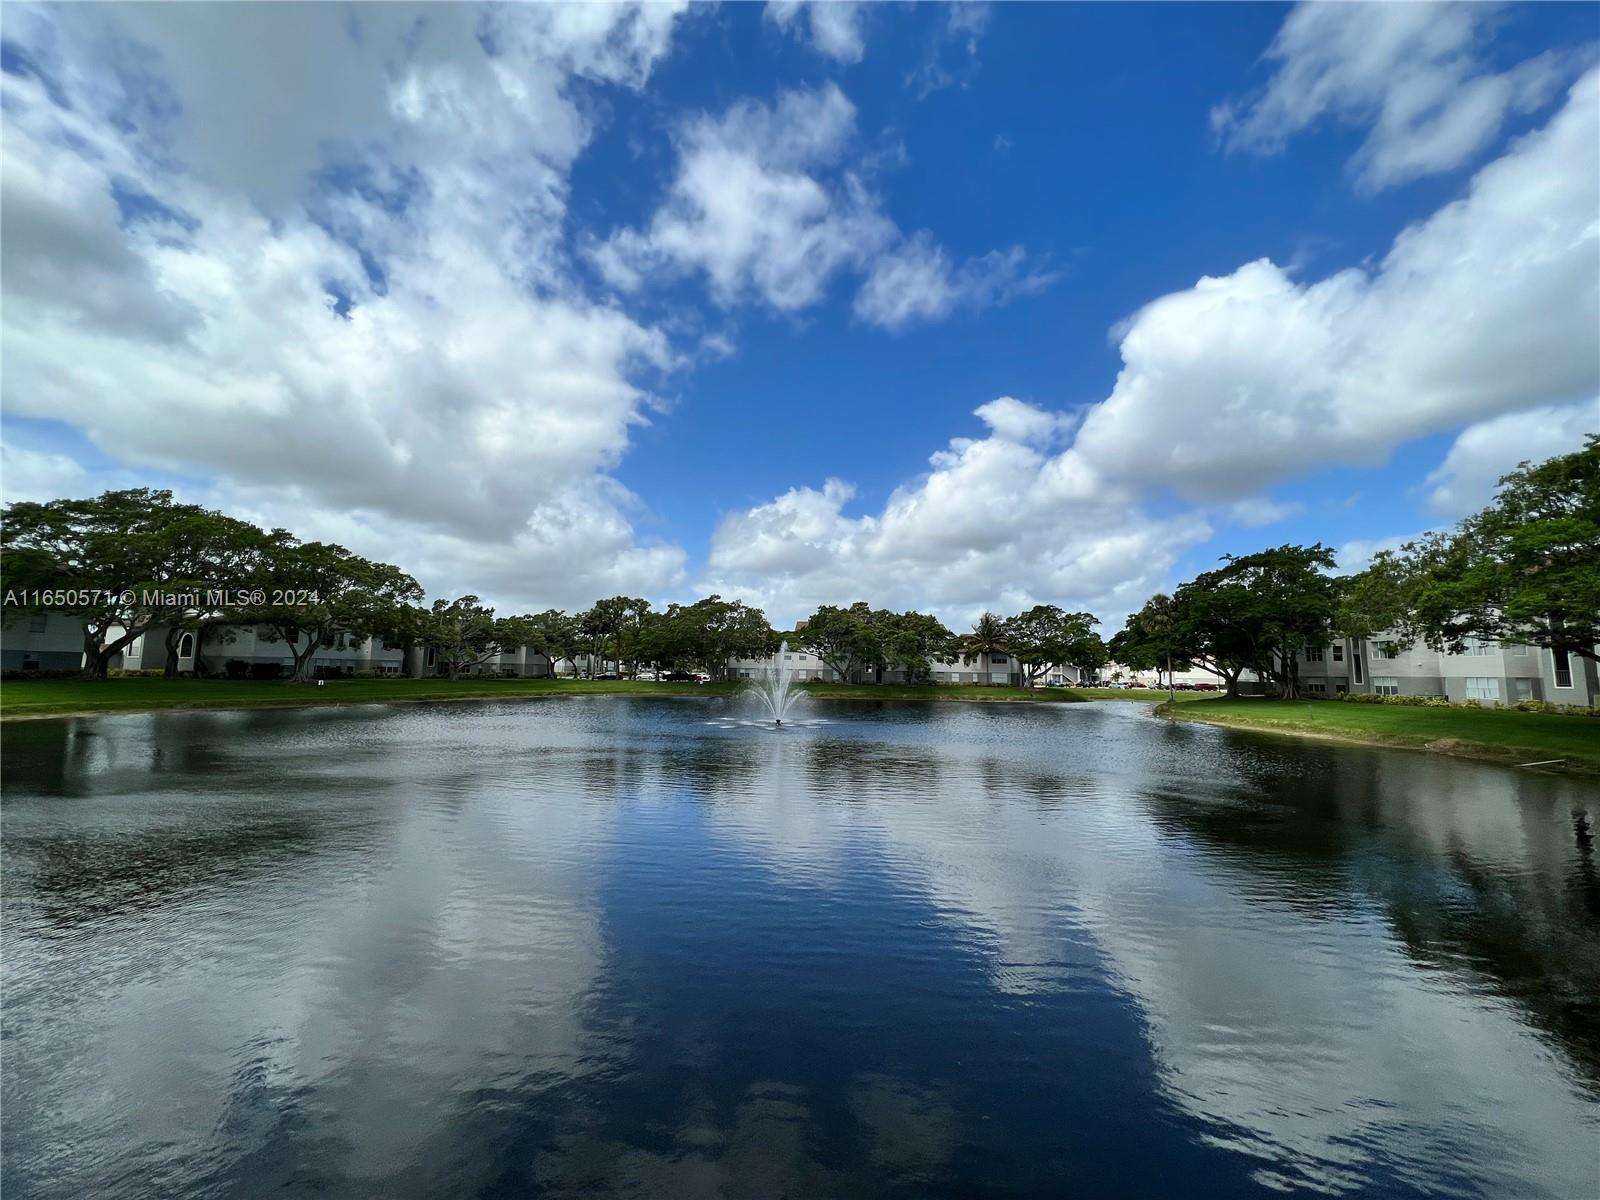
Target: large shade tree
(615, 628)
(707, 633)
(1046, 636)
(849, 641)
(556, 635)
(1278, 603)
(121, 564)
(914, 641)
(466, 635)
(318, 592)
(1526, 569)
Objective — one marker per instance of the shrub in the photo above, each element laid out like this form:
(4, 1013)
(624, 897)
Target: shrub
(266, 670)
(59, 673)
(1534, 706)
(236, 668)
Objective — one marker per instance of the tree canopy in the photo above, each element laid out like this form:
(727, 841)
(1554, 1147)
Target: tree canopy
(318, 591)
(124, 562)
(1045, 636)
(465, 634)
(1526, 569)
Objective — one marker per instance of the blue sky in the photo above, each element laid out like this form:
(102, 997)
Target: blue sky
(953, 307)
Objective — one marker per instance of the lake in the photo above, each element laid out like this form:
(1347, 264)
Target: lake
(605, 947)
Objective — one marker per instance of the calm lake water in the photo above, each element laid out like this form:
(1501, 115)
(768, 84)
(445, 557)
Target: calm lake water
(608, 947)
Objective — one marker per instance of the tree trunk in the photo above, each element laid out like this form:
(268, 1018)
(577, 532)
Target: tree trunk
(94, 662)
(169, 669)
(1289, 686)
(302, 659)
(1232, 678)
(200, 668)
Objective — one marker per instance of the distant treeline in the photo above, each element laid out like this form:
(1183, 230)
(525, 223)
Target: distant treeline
(1526, 569)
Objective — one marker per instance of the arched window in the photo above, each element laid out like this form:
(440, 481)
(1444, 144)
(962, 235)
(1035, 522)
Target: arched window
(186, 646)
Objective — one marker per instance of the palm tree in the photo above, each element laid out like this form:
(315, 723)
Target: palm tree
(988, 637)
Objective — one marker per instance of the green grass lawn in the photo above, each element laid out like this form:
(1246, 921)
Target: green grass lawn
(60, 697)
(1487, 732)
(939, 691)
(1158, 695)
(48, 697)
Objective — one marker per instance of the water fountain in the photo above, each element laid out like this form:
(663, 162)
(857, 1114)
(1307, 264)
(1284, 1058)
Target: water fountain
(775, 686)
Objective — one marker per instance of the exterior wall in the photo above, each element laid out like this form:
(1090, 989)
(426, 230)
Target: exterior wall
(807, 667)
(1414, 669)
(1489, 672)
(42, 642)
(521, 663)
(1510, 673)
(253, 644)
(1585, 678)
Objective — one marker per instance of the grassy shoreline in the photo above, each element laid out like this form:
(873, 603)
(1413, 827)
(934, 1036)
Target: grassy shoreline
(1494, 735)
(37, 699)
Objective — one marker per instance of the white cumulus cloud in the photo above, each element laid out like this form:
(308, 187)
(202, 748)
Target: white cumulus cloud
(1488, 306)
(1005, 521)
(1415, 73)
(916, 281)
(1467, 478)
(362, 323)
(768, 205)
(835, 26)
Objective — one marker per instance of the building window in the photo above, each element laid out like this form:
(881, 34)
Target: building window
(1483, 689)
(186, 646)
(1478, 648)
(1355, 667)
(1563, 665)
(37, 622)
(430, 656)
(1386, 685)
(1319, 686)
(1313, 653)
(1338, 652)
(135, 648)
(1524, 687)
(998, 659)
(1518, 649)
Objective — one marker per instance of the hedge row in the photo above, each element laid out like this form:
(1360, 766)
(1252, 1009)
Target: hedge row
(1539, 706)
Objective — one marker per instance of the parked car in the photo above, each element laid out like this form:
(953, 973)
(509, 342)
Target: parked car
(681, 677)
(609, 675)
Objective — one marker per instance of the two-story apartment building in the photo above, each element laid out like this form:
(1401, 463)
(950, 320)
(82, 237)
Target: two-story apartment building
(41, 641)
(807, 667)
(256, 645)
(1489, 672)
